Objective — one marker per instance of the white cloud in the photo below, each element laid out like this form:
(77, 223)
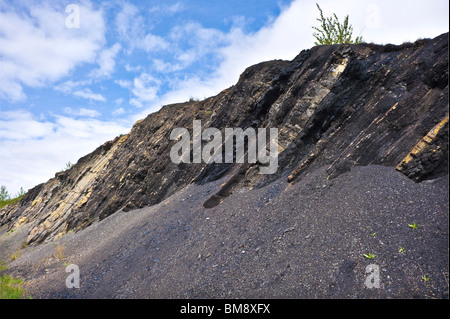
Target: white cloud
(83, 112)
(135, 102)
(131, 27)
(123, 83)
(88, 94)
(10, 90)
(33, 150)
(145, 89)
(68, 86)
(29, 128)
(191, 42)
(38, 49)
(167, 9)
(166, 67)
(174, 8)
(106, 62)
(118, 111)
(152, 43)
(128, 22)
(79, 89)
(130, 68)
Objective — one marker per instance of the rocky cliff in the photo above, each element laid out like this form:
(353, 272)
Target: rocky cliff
(337, 106)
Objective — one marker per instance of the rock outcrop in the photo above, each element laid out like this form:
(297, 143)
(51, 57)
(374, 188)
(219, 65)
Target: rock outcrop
(337, 106)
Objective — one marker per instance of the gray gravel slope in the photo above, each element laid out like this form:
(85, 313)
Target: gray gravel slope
(305, 240)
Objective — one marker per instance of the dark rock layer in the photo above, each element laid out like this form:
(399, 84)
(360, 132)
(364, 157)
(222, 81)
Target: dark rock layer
(337, 106)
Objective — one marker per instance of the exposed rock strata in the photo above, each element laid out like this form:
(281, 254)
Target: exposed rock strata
(338, 106)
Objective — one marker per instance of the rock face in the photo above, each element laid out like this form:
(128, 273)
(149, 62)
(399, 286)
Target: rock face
(337, 106)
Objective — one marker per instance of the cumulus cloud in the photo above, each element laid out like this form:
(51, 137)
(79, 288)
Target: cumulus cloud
(10, 121)
(131, 27)
(82, 112)
(106, 62)
(80, 89)
(152, 42)
(167, 9)
(128, 22)
(87, 93)
(123, 83)
(37, 48)
(33, 149)
(192, 43)
(145, 89)
(118, 111)
(68, 86)
(137, 68)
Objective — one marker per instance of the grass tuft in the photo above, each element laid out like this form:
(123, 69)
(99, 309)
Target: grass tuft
(11, 288)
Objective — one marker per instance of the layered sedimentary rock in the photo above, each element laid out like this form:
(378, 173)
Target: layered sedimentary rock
(337, 106)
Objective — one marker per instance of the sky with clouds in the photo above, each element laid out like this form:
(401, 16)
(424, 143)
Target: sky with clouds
(75, 74)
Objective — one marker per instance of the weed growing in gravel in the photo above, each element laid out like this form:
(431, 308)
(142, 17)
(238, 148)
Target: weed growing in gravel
(413, 226)
(59, 252)
(15, 255)
(369, 256)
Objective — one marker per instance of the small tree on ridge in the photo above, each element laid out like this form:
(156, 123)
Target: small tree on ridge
(331, 31)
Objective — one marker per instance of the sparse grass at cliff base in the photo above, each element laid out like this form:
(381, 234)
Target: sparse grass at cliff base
(11, 288)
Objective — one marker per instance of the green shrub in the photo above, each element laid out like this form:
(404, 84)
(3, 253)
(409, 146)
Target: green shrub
(6, 199)
(4, 195)
(331, 31)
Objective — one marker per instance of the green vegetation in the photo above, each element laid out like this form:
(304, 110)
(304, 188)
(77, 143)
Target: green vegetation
(68, 166)
(11, 288)
(3, 193)
(369, 256)
(59, 252)
(14, 256)
(413, 226)
(6, 199)
(331, 31)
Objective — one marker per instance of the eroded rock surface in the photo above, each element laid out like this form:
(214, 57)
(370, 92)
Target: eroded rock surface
(337, 106)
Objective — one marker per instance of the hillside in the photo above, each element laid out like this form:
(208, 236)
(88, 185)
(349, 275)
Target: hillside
(363, 153)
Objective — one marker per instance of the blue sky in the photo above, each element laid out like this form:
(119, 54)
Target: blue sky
(65, 90)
